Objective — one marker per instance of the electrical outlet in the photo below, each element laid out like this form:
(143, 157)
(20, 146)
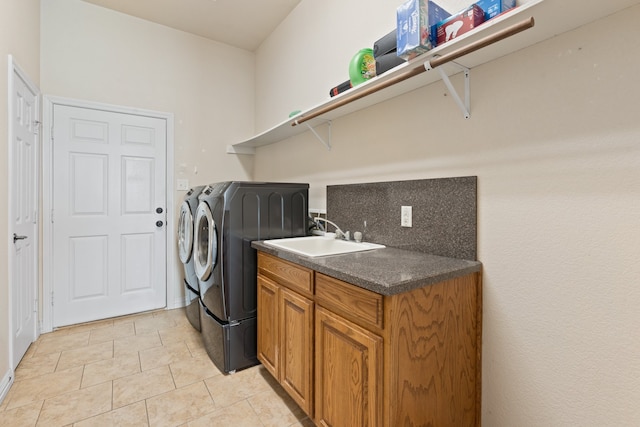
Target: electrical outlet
(406, 215)
(182, 185)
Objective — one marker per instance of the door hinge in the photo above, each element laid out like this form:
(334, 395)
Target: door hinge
(35, 305)
(51, 215)
(51, 298)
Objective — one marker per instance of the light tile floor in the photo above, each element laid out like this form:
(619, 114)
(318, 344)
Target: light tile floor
(149, 369)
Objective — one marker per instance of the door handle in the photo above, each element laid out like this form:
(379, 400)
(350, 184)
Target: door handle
(159, 224)
(16, 237)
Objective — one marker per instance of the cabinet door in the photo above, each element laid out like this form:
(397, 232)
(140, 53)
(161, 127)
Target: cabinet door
(348, 374)
(268, 325)
(296, 348)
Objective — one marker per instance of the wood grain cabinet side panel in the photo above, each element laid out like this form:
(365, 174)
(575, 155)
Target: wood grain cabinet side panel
(434, 355)
(348, 373)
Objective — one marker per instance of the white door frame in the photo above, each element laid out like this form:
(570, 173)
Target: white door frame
(14, 68)
(47, 198)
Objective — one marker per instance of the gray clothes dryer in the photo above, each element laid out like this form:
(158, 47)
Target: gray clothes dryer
(229, 217)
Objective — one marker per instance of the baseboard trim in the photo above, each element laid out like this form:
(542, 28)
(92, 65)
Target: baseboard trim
(178, 303)
(5, 384)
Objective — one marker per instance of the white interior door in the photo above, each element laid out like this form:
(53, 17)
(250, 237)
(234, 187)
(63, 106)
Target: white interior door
(109, 214)
(23, 211)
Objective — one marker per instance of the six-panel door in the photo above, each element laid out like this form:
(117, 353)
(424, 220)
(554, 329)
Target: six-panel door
(109, 213)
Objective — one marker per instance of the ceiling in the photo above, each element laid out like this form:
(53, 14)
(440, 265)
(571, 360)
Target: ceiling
(244, 24)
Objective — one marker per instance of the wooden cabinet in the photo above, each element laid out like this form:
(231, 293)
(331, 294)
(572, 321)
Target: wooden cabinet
(285, 327)
(348, 373)
(349, 361)
(268, 325)
(372, 360)
(296, 347)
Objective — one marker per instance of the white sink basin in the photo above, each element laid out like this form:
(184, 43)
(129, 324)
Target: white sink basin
(314, 246)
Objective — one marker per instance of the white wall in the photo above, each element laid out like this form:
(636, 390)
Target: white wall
(553, 139)
(96, 54)
(309, 53)
(19, 37)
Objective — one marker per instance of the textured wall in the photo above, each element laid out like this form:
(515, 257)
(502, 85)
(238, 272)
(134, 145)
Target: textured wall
(443, 210)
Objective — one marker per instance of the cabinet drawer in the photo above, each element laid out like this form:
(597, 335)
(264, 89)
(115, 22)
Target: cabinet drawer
(286, 273)
(354, 303)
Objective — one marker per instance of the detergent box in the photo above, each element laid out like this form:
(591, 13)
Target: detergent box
(459, 23)
(415, 29)
(493, 8)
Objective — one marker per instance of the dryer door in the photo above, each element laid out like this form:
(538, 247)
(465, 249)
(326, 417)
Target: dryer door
(185, 233)
(206, 242)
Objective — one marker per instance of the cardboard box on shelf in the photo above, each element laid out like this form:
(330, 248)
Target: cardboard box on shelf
(459, 23)
(493, 8)
(416, 20)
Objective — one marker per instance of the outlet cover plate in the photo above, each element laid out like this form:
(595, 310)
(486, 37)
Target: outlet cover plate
(182, 184)
(406, 215)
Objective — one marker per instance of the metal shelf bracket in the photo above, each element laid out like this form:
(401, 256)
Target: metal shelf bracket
(326, 143)
(463, 105)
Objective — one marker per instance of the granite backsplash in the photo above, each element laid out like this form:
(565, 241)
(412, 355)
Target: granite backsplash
(444, 214)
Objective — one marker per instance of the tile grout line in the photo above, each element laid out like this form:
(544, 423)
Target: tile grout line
(146, 411)
(39, 412)
(193, 349)
(55, 369)
(254, 411)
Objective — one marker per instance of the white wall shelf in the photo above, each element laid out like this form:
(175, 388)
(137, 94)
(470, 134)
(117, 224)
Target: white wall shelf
(552, 17)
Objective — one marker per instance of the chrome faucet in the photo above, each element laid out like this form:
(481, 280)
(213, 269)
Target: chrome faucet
(345, 235)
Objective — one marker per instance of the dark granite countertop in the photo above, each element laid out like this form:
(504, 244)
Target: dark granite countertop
(387, 271)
